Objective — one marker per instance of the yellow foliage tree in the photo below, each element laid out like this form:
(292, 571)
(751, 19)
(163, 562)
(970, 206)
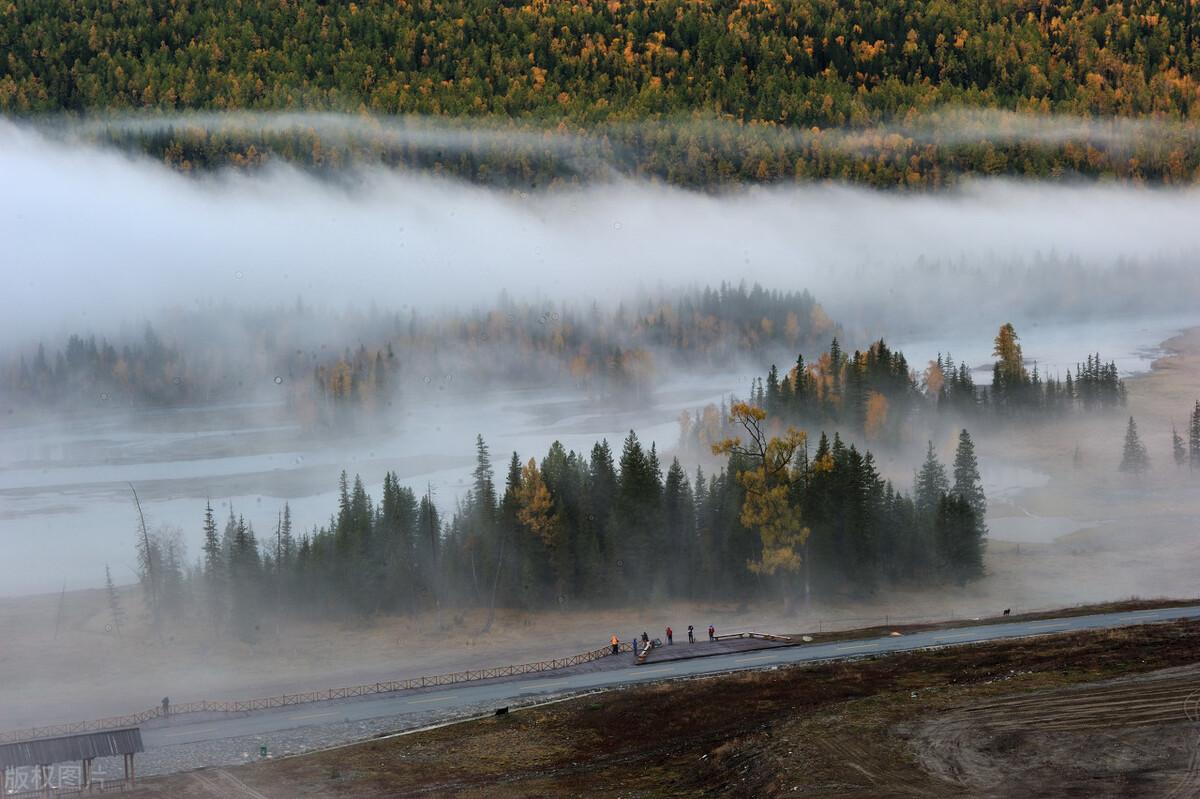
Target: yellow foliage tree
(877, 413)
(768, 505)
(537, 512)
(536, 506)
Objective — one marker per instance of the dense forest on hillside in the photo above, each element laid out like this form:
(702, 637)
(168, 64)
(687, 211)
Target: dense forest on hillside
(590, 528)
(324, 363)
(722, 91)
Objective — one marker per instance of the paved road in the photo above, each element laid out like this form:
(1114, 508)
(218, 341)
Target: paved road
(502, 693)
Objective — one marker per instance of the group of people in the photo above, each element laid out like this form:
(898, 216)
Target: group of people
(691, 631)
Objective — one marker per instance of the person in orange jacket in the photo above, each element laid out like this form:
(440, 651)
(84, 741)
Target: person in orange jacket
(616, 644)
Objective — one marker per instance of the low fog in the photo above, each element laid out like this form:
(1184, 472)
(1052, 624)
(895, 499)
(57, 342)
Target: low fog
(97, 241)
(94, 237)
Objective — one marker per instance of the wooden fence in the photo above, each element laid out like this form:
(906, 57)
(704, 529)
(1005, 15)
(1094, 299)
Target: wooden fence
(287, 700)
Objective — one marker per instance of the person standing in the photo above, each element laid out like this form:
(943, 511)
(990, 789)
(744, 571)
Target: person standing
(691, 634)
(616, 644)
(670, 636)
(712, 633)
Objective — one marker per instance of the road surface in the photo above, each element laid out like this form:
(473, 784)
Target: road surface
(469, 697)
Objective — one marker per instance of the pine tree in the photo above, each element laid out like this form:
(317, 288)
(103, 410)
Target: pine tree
(1194, 438)
(772, 397)
(930, 484)
(960, 539)
(680, 524)
(215, 569)
(484, 485)
(1134, 458)
(1177, 447)
(967, 483)
(245, 570)
(114, 602)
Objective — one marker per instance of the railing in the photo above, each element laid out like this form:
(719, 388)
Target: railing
(287, 700)
(98, 786)
(236, 706)
(783, 639)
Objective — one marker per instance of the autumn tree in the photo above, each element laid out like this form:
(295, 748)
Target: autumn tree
(769, 505)
(1009, 376)
(537, 512)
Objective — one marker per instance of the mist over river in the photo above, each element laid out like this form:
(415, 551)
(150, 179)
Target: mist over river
(66, 509)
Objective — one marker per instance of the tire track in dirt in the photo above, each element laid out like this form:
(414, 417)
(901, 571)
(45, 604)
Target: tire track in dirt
(896, 782)
(1149, 725)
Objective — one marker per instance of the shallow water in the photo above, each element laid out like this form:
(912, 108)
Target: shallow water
(67, 509)
(1034, 529)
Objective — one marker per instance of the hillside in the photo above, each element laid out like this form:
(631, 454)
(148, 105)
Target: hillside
(720, 91)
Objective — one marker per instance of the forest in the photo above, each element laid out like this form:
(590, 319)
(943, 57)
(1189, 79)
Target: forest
(875, 393)
(722, 92)
(591, 529)
(612, 353)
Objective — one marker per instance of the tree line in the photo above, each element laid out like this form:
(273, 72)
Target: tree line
(736, 72)
(1135, 459)
(602, 528)
(875, 392)
(298, 353)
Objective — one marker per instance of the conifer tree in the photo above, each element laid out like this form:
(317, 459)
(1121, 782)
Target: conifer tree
(930, 483)
(1194, 438)
(772, 396)
(1134, 459)
(245, 572)
(960, 539)
(215, 569)
(680, 523)
(115, 610)
(1178, 450)
(967, 483)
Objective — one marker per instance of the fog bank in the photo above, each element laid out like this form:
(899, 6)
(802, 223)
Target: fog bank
(94, 236)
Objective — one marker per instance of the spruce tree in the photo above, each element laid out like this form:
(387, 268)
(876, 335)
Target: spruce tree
(1134, 459)
(967, 483)
(959, 536)
(215, 569)
(680, 524)
(115, 610)
(1177, 447)
(1194, 438)
(930, 483)
(244, 568)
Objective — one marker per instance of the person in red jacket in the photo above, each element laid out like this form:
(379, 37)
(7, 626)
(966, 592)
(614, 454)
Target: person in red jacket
(670, 636)
(712, 633)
